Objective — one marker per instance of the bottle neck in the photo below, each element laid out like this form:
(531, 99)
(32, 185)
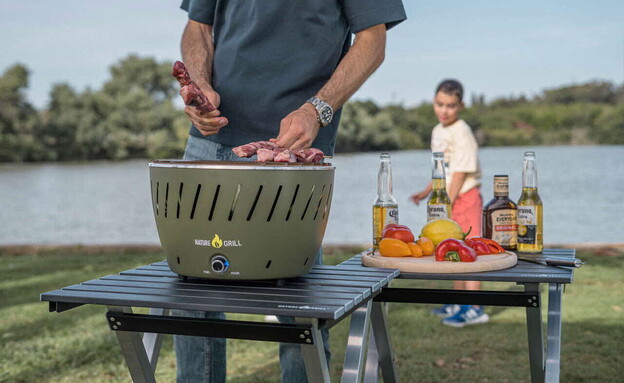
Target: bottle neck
(529, 174)
(384, 181)
(501, 187)
(438, 175)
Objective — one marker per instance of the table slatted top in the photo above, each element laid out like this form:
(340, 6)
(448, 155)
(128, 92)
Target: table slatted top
(327, 292)
(522, 272)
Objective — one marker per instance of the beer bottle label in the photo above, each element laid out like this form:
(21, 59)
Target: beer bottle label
(392, 216)
(527, 224)
(437, 211)
(504, 227)
(383, 216)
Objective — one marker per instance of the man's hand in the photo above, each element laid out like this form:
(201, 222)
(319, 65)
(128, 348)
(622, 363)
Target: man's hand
(207, 123)
(197, 54)
(299, 129)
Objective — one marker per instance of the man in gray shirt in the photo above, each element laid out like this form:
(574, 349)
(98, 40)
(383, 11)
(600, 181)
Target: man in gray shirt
(276, 70)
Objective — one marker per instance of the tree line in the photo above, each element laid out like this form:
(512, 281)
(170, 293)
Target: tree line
(135, 115)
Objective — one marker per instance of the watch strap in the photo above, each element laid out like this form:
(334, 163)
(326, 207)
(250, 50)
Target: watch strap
(319, 105)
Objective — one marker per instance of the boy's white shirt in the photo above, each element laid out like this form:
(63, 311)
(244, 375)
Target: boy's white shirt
(461, 152)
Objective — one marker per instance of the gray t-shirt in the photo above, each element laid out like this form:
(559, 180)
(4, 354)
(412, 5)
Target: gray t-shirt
(271, 56)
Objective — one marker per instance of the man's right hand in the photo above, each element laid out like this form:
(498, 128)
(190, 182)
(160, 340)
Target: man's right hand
(207, 123)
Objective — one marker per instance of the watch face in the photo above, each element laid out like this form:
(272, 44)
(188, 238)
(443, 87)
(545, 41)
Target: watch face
(325, 114)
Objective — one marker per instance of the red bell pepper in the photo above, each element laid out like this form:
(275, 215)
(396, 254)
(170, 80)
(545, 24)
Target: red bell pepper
(454, 250)
(494, 246)
(480, 247)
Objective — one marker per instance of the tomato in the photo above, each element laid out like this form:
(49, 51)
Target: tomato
(392, 226)
(402, 233)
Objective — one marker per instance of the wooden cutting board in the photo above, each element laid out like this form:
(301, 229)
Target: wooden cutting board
(430, 265)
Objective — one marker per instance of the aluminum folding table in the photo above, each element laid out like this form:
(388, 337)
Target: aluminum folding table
(323, 297)
(544, 359)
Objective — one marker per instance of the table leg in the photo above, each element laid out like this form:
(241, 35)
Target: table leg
(314, 354)
(357, 343)
(382, 341)
(535, 334)
(371, 374)
(553, 333)
(153, 341)
(133, 351)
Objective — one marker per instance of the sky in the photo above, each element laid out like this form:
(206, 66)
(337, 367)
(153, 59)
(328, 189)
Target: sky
(495, 48)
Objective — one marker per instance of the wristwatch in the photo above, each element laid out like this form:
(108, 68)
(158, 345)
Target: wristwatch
(324, 111)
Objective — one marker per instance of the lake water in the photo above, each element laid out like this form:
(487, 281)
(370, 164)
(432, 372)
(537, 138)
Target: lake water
(109, 202)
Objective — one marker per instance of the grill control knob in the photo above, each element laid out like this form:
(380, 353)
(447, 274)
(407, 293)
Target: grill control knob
(219, 264)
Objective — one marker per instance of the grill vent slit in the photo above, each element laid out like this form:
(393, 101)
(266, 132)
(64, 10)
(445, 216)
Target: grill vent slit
(318, 207)
(234, 201)
(308, 204)
(214, 203)
(179, 200)
(328, 201)
(255, 202)
(156, 204)
(166, 198)
(292, 202)
(279, 191)
(195, 201)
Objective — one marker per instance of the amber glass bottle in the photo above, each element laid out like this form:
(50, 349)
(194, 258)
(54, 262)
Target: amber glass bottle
(500, 214)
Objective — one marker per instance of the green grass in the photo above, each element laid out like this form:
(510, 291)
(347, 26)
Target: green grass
(76, 346)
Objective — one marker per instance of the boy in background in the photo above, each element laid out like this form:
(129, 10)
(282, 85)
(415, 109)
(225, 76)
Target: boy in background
(455, 139)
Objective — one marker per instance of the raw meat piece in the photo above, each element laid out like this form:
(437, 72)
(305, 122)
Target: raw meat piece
(188, 94)
(266, 155)
(180, 73)
(309, 155)
(191, 93)
(250, 149)
(285, 156)
(245, 151)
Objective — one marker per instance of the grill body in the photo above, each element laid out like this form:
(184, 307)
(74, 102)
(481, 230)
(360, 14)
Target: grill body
(240, 220)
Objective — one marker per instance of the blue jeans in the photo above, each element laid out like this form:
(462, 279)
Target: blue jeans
(202, 360)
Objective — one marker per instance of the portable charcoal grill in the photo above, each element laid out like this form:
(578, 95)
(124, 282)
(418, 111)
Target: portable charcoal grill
(240, 220)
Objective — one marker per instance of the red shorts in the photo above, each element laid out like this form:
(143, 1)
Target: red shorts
(467, 211)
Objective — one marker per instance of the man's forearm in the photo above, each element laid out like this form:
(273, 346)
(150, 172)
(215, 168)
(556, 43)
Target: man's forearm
(364, 57)
(197, 52)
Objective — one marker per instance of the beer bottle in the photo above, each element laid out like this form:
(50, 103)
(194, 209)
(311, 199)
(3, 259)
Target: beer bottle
(530, 209)
(499, 215)
(439, 204)
(385, 208)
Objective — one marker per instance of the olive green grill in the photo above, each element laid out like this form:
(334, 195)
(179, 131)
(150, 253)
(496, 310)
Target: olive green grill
(240, 220)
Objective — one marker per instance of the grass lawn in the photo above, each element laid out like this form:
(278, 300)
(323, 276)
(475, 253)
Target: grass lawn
(76, 346)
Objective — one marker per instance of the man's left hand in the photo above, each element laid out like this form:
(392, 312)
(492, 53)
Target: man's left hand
(299, 129)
